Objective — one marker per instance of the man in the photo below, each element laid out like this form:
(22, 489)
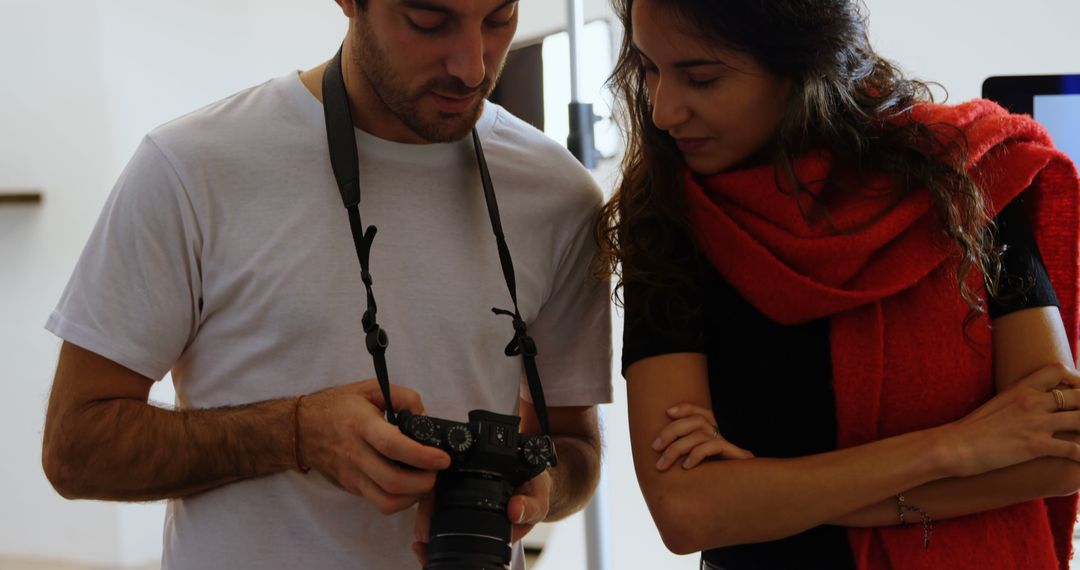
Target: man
(224, 255)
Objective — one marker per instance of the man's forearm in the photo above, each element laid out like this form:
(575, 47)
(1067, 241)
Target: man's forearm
(574, 480)
(125, 449)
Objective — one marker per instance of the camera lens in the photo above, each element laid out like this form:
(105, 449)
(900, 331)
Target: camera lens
(469, 526)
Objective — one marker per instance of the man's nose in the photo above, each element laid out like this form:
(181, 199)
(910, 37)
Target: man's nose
(466, 61)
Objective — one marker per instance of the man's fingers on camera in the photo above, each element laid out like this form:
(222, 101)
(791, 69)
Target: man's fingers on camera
(404, 398)
(524, 510)
(519, 531)
(420, 550)
(393, 479)
(387, 503)
(422, 526)
(392, 444)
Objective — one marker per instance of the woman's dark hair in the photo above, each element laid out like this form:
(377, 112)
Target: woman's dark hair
(845, 99)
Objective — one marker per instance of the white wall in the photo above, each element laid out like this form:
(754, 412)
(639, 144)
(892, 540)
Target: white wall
(959, 43)
(84, 79)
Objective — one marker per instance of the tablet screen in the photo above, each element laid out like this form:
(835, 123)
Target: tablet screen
(1060, 114)
(1054, 101)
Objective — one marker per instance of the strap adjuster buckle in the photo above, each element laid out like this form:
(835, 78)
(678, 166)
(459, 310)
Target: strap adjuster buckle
(377, 340)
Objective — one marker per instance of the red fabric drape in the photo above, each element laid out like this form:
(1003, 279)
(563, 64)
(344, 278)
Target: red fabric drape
(900, 359)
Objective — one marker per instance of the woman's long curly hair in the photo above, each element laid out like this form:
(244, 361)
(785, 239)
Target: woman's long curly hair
(846, 99)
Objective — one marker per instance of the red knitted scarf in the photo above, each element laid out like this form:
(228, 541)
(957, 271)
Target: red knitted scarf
(900, 359)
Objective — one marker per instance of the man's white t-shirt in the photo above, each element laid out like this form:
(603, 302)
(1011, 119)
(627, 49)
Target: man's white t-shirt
(224, 255)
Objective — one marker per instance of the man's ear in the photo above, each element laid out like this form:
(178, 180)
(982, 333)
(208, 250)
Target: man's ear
(349, 7)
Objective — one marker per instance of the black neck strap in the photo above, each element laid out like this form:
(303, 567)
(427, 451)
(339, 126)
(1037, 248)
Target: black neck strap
(345, 162)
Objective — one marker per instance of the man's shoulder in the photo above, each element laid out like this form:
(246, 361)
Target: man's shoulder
(532, 155)
(515, 136)
(242, 120)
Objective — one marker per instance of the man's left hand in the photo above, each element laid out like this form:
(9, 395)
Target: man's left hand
(527, 507)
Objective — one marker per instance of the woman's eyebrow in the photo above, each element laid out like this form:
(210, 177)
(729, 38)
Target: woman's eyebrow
(686, 63)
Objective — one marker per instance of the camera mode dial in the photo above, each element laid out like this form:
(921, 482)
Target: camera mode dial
(459, 438)
(537, 451)
(421, 429)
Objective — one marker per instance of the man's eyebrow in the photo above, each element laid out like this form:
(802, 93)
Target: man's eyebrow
(431, 6)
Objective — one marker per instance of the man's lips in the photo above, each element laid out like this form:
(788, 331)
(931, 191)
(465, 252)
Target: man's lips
(453, 104)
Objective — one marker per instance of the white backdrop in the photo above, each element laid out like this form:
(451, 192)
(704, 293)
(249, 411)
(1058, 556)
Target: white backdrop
(85, 79)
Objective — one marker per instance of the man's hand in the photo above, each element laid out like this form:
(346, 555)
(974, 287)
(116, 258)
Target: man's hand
(344, 436)
(527, 507)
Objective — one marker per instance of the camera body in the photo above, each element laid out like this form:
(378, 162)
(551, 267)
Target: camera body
(470, 529)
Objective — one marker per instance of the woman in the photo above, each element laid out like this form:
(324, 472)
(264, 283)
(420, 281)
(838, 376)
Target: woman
(852, 300)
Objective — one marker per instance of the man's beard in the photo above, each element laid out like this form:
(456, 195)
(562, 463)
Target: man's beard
(437, 127)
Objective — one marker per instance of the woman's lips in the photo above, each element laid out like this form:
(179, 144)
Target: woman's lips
(691, 144)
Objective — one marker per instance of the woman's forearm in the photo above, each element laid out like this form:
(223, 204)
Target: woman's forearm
(960, 496)
(728, 502)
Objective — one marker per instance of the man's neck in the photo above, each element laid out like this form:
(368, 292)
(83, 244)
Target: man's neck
(369, 114)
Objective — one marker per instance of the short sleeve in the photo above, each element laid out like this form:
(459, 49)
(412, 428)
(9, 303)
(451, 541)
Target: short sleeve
(572, 329)
(134, 294)
(652, 327)
(1024, 282)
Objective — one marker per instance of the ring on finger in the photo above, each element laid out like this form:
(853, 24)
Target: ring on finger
(1059, 399)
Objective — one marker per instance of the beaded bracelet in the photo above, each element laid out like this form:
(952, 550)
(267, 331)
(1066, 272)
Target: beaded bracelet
(927, 524)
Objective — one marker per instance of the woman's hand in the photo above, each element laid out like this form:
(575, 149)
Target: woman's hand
(693, 433)
(1019, 424)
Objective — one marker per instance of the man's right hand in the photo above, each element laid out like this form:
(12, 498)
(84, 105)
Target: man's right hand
(345, 436)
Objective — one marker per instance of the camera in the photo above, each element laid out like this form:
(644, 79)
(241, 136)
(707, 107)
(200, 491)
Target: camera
(489, 459)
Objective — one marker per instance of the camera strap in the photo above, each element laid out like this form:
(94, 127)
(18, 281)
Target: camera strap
(346, 165)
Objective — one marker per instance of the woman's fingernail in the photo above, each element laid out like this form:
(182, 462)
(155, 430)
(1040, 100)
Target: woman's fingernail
(686, 464)
(672, 409)
(657, 444)
(660, 463)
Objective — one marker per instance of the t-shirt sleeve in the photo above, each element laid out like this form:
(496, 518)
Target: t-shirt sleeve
(134, 294)
(651, 327)
(572, 329)
(1024, 282)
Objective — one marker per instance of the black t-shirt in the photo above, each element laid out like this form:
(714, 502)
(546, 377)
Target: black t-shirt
(751, 359)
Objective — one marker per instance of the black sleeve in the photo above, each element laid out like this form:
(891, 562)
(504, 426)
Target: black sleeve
(1024, 281)
(660, 322)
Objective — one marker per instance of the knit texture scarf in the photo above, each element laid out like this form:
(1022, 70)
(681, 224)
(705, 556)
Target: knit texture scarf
(900, 359)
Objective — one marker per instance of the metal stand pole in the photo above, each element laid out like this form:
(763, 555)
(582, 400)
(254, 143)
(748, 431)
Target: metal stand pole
(598, 525)
(581, 142)
(582, 145)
